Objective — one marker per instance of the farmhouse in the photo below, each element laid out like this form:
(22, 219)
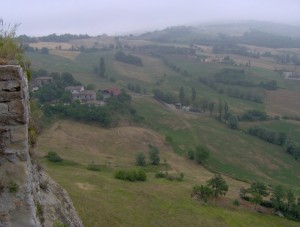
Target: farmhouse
(75, 89)
(110, 92)
(80, 94)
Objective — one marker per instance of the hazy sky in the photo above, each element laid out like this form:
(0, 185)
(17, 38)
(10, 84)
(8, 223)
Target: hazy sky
(94, 17)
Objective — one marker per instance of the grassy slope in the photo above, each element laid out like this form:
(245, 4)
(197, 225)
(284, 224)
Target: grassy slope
(246, 158)
(102, 200)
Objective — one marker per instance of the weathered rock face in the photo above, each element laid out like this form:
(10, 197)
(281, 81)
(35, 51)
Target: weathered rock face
(28, 197)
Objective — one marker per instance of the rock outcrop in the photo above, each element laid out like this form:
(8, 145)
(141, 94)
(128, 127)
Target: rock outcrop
(28, 197)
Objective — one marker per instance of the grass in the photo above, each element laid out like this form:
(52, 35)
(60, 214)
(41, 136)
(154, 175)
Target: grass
(102, 200)
(248, 158)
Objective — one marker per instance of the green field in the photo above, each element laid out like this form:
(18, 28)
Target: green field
(102, 200)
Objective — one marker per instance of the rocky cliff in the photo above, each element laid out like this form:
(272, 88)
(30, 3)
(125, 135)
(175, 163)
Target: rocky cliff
(28, 197)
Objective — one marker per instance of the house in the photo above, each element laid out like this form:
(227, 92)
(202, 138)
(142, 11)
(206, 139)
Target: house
(80, 94)
(43, 80)
(110, 92)
(75, 89)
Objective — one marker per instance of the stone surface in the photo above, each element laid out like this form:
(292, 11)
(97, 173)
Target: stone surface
(20, 208)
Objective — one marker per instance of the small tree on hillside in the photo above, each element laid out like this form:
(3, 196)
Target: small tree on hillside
(102, 67)
(233, 122)
(211, 107)
(153, 155)
(218, 185)
(201, 153)
(140, 159)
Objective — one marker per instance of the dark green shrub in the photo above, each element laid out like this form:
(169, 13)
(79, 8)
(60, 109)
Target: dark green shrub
(140, 159)
(131, 175)
(53, 157)
(13, 187)
(94, 167)
(160, 174)
(236, 202)
(153, 155)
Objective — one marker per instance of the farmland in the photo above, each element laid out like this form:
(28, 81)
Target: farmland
(240, 157)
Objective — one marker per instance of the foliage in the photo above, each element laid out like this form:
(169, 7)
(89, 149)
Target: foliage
(164, 96)
(293, 150)
(233, 122)
(201, 153)
(10, 48)
(268, 135)
(128, 58)
(94, 167)
(202, 191)
(171, 176)
(13, 187)
(52, 156)
(254, 115)
(169, 139)
(277, 197)
(236, 202)
(153, 155)
(218, 185)
(102, 67)
(131, 175)
(140, 159)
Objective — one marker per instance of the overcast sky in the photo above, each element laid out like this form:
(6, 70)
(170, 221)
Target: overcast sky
(94, 17)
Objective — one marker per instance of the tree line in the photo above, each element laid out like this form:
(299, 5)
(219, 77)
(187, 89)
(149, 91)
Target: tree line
(128, 58)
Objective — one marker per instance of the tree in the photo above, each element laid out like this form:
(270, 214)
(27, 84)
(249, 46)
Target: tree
(290, 198)
(256, 198)
(202, 191)
(282, 137)
(102, 67)
(153, 155)
(220, 109)
(201, 153)
(226, 111)
(277, 197)
(181, 95)
(218, 185)
(193, 94)
(259, 188)
(140, 159)
(204, 105)
(211, 107)
(233, 122)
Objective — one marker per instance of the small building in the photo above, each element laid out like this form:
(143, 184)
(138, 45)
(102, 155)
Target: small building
(43, 80)
(110, 92)
(75, 89)
(87, 95)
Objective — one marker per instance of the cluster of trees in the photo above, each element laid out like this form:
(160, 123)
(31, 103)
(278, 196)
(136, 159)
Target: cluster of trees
(154, 158)
(232, 92)
(176, 68)
(215, 187)
(293, 149)
(199, 154)
(136, 88)
(107, 115)
(128, 58)
(167, 97)
(55, 91)
(268, 135)
(287, 59)
(277, 197)
(162, 50)
(254, 115)
(232, 48)
(52, 38)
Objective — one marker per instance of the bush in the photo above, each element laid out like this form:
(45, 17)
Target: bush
(153, 155)
(13, 187)
(53, 157)
(131, 175)
(94, 167)
(170, 176)
(191, 154)
(169, 139)
(201, 153)
(236, 202)
(140, 159)
(160, 174)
